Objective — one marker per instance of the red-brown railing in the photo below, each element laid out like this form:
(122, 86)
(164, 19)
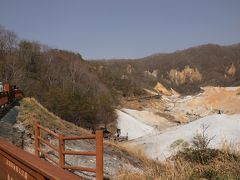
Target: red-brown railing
(62, 152)
(15, 163)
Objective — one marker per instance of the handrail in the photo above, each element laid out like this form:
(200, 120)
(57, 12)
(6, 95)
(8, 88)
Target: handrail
(78, 137)
(47, 130)
(47, 143)
(80, 168)
(79, 153)
(62, 152)
(16, 163)
(46, 155)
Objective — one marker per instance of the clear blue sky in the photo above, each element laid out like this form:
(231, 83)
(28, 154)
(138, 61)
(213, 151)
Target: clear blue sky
(123, 28)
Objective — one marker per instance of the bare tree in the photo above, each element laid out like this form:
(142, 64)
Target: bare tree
(8, 41)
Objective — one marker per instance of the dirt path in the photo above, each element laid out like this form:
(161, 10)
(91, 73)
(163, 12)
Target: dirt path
(7, 122)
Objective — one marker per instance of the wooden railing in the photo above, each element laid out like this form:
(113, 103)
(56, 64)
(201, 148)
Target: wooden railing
(15, 163)
(62, 152)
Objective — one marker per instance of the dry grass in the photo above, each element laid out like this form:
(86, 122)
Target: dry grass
(194, 162)
(220, 164)
(31, 111)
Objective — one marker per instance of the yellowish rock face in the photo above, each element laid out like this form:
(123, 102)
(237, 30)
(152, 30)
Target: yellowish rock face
(162, 90)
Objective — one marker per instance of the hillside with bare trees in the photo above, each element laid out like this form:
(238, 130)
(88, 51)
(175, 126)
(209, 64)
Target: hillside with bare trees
(61, 80)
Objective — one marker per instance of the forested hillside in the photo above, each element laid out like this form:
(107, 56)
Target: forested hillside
(185, 71)
(59, 79)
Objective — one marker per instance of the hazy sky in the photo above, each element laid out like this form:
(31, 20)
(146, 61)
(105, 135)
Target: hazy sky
(123, 28)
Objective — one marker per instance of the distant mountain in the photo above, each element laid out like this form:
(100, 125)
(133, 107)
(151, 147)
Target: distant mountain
(185, 71)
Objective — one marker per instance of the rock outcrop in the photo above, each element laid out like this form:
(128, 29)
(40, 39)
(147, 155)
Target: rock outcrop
(162, 90)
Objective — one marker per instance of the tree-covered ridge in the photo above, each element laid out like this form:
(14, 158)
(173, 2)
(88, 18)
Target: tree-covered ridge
(185, 71)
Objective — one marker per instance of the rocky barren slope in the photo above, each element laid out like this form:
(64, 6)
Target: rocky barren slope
(155, 124)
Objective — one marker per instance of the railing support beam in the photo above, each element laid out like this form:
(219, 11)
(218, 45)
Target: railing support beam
(99, 155)
(37, 134)
(61, 150)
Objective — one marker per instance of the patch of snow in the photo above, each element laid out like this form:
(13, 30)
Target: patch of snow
(225, 128)
(132, 127)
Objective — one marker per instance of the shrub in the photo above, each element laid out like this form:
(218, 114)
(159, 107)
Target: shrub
(179, 145)
(201, 140)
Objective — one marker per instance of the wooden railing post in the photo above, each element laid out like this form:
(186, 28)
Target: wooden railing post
(36, 139)
(99, 155)
(61, 149)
